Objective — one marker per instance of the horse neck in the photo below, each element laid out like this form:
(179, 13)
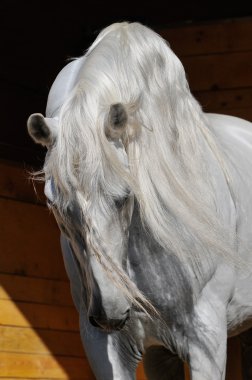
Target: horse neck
(145, 251)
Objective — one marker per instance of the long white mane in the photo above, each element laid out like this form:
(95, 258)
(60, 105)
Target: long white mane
(167, 141)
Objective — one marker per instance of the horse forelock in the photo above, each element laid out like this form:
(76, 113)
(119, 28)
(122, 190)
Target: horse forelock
(165, 142)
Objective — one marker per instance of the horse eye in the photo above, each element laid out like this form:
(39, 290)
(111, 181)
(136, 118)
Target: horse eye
(120, 202)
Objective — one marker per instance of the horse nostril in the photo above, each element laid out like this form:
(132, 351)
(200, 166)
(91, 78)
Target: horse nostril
(93, 322)
(109, 325)
(127, 315)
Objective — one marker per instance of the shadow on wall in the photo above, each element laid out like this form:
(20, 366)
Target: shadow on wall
(39, 329)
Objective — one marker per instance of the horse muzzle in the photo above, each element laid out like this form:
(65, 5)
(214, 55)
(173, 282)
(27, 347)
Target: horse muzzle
(108, 324)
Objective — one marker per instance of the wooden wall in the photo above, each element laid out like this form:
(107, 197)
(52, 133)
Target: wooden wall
(39, 336)
(217, 57)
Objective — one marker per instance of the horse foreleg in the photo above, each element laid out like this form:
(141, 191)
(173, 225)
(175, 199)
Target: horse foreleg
(205, 365)
(207, 345)
(207, 341)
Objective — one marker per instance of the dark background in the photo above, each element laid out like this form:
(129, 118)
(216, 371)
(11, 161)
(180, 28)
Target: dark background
(39, 36)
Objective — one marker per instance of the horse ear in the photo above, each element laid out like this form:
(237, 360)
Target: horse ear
(117, 121)
(42, 130)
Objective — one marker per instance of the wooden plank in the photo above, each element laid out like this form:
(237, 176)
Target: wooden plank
(29, 241)
(213, 37)
(187, 371)
(220, 71)
(234, 366)
(140, 372)
(246, 353)
(44, 366)
(225, 100)
(39, 341)
(38, 316)
(21, 288)
(16, 183)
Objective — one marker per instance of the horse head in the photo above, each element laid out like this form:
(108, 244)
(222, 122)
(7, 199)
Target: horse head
(96, 224)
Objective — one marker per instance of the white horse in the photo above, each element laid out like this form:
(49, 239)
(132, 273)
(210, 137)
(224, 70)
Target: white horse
(153, 198)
